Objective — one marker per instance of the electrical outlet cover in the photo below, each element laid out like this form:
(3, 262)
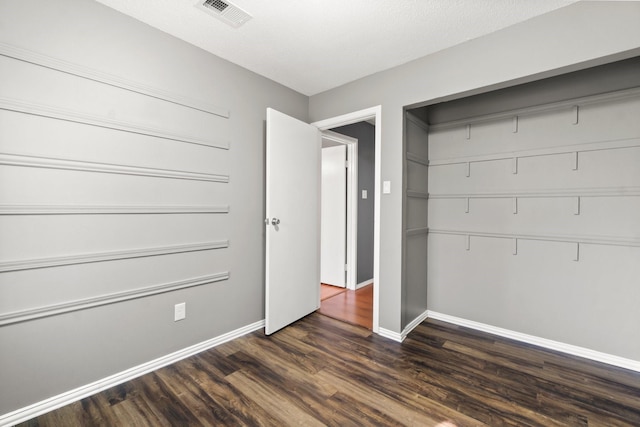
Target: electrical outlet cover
(180, 311)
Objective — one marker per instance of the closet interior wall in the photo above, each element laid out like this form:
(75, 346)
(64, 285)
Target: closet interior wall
(415, 202)
(533, 207)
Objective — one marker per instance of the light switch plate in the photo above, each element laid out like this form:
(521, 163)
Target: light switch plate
(386, 187)
(364, 194)
(180, 311)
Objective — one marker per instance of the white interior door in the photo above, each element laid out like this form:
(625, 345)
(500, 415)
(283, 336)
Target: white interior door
(293, 220)
(334, 216)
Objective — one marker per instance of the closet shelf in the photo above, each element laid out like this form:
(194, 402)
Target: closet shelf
(565, 192)
(417, 159)
(592, 240)
(547, 151)
(587, 100)
(417, 194)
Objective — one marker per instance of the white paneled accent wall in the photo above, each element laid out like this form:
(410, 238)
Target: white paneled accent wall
(534, 217)
(131, 180)
(110, 190)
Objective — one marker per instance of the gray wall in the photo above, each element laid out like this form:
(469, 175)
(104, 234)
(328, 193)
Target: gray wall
(365, 133)
(524, 238)
(539, 291)
(140, 204)
(591, 81)
(575, 37)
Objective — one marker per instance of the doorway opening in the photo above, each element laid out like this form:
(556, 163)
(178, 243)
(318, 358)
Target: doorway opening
(372, 116)
(339, 211)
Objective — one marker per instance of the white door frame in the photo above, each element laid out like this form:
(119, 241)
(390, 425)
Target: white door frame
(374, 113)
(352, 203)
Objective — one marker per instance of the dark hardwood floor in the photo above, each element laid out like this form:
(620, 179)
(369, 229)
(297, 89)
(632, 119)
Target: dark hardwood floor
(320, 371)
(355, 307)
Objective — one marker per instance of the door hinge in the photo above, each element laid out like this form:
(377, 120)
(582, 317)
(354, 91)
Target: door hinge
(346, 267)
(346, 164)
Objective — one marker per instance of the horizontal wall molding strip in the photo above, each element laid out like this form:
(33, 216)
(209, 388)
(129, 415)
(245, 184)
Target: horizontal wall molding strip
(93, 120)
(81, 166)
(417, 194)
(586, 353)
(548, 151)
(84, 72)
(572, 103)
(567, 192)
(417, 159)
(86, 303)
(108, 210)
(63, 399)
(30, 264)
(417, 231)
(608, 240)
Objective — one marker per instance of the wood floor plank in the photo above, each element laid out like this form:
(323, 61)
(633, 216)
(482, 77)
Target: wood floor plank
(148, 411)
(555, 381)
(472, 387)
(304, 389)
(599, 387)
(356, 413)
(320, 371)
(220, 390)
(478, 397)
(355, 307)
(327, 291)
(396, 384)
(290, 372)
(292, 352)
(507, 393)
(283, 409)
(179, 378)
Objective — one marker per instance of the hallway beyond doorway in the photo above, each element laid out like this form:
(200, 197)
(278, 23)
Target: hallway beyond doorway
(328, 291)
(355, 307)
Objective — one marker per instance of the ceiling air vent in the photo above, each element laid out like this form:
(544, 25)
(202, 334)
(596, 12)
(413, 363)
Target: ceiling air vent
(225, 11)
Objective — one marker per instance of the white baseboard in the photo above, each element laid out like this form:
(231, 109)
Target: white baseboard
(411, 326)
(390, 334)
(363, 284)
(399, 337)
(79, 393)
(597, 356)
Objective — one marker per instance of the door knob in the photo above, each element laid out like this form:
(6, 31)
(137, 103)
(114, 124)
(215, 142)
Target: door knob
(275, 221)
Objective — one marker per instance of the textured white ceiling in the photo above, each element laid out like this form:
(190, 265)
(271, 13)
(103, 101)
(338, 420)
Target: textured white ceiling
(315, 45)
